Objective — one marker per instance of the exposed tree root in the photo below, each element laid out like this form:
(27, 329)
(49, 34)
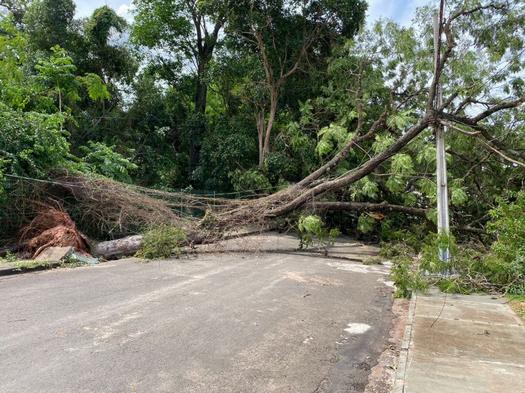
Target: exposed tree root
(51, 228)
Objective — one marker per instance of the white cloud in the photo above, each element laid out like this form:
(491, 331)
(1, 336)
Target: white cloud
(400, 11)
(126, 11)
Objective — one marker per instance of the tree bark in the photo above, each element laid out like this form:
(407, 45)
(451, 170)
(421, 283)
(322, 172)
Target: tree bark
(366, 206)
(274, 97)
(113, 249)
(201, 88)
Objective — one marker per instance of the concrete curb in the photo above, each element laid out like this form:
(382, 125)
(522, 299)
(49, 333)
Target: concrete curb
(404, 351)
(12, 270)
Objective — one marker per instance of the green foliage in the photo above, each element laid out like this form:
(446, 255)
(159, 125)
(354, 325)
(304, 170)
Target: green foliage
(508, 226)
(228, 148)
(96, 88)
(99, 26)
(502, 269)
(9, 257)
(400, 120)
(162, 241)
(250, 182)
(365, 223)
(382, 142)
(402, 164)
(102, 159)
(406, 278)
(331, 139)
(365, 188)
(32, 143)
(50, 23)
(57, 74)
(313, 232)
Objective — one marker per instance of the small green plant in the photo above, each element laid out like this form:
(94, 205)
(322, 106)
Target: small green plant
(9, 257)
(405, 277)
(163, 241)
(313, 232)
(209, 220)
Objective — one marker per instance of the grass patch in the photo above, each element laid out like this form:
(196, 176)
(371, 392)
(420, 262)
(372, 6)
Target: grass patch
(27, 264)
(377, 260)
(30, 264)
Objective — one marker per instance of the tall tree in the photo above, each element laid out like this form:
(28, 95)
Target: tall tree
(105, 57)
(17, 8)
(50, 23)
(286, 35)
(183, 34)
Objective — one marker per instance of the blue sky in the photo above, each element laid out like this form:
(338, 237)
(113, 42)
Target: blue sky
(400, 11)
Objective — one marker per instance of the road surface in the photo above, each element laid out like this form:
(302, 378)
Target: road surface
(217, 323)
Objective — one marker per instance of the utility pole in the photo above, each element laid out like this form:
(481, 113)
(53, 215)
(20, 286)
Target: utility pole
(440, 130)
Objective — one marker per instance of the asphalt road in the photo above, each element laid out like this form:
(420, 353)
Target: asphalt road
(230, 323)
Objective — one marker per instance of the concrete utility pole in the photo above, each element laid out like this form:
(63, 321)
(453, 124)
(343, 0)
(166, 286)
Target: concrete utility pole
(441, 163)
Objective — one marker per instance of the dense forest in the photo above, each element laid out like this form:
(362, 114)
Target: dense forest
(271, 110)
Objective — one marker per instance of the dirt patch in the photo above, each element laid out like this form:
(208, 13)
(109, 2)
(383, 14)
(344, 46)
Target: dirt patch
(382, 375)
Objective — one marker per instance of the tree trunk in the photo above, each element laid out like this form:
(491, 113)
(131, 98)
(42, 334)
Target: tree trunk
(259, 118)
(113, 249)
(373, 207)
(197, 129)
(264, 127)
(201, 89)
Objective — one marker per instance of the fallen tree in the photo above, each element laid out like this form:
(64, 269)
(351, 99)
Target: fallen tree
(402, 109)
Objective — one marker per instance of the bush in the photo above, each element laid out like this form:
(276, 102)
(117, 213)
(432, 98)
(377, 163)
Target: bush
(407, 277)
(162, 242)
(312, 231)
(104, 160)
(31, 143)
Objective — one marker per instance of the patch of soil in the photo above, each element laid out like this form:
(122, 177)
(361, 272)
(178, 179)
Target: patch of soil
(382, 376)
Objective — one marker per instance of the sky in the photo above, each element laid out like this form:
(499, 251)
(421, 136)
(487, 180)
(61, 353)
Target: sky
(400, 11)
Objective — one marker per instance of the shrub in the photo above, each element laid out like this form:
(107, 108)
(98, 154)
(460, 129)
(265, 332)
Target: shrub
(31, 143)
(312, 231)
(162, 242)
(104, 160)
(407, 277)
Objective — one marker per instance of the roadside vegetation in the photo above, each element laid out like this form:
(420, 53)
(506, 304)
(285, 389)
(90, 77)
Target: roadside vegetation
(496, 266)
(192, 119)
(163, 241)
(517, 302)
